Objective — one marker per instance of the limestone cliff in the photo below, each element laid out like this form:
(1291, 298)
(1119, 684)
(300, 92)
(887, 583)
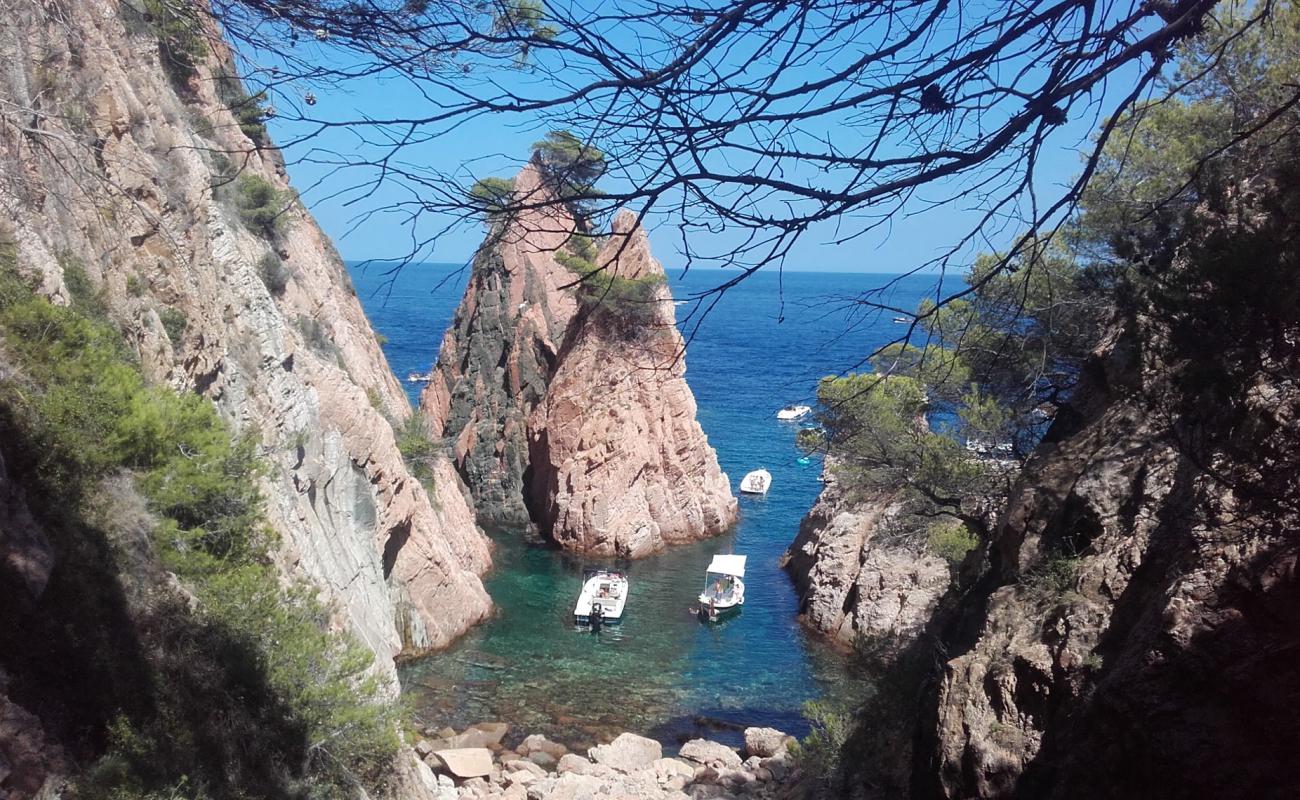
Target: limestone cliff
(563, 413)
(140, 182)
(858, 576)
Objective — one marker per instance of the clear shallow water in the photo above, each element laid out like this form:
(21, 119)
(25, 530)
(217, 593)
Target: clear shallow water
(660, 671)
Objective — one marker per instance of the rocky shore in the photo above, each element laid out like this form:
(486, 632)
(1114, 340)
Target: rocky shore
(490, 760)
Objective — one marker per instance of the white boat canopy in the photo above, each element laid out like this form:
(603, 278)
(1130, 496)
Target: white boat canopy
(728, 565)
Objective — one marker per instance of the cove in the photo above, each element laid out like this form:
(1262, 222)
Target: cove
(661, 672)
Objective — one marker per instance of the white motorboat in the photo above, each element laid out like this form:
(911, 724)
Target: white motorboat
(790, 413)
(416, 377)
(756, 482)
(604, 593)
(901, 321)
(724, 587)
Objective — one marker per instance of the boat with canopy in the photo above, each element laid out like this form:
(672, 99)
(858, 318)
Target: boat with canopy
(724, 587)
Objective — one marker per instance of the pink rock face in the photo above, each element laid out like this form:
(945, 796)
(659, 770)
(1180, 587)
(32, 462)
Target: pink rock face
(131, 195)
(562, 420)
(620, 464)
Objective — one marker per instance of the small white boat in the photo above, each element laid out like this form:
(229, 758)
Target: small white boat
(756, 482)
(724, 587)
(790, 413)
(416, 377)
(604, 593)
(901, 320)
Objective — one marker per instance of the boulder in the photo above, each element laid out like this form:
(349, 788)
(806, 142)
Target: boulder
(543, 759)
(493, 731)
(423, 748)
(466, 762)
(710, 754)
(539, 742)
(524, 765)
(570, 786)
(671, 772)
(627, 753)
(765, 742)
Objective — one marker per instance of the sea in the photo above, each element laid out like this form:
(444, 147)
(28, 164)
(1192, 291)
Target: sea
(751, 350)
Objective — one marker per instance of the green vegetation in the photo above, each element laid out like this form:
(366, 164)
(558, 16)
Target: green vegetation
(261, 206)
(626, 306)
(818, 754)
(134, 286)
(951, 541)
(490, 195)
(273, 273)
(572, 167)
(1055, 577)
(233, 689)
(415, 443)
(81, 289)
(523, 18)
(181, 46)
(248, 109)
(174, 322)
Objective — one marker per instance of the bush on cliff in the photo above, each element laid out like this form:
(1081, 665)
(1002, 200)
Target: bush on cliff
(218, 682)
(627, 306)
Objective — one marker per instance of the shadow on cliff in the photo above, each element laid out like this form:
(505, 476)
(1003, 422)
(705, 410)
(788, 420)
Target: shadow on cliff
(126, 679)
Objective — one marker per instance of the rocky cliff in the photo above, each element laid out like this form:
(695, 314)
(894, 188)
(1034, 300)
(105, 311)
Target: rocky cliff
(568, 412)
(136, 183)
(859, 575)
(1134, 629)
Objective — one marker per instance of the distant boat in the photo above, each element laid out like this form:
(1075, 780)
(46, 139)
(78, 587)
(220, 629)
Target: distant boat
(804, 460)
(901, 320)
(416, 377)
(603, 596)
(790, 413)
(724, 587)
(756, 482)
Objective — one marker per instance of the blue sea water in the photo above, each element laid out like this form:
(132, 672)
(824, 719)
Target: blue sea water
(763, 344)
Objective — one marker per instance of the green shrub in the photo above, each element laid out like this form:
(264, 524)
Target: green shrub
(1055, 577)
(381, 339)
(627, 305)
(234, 689)
(951, 541)
(134, 286)
(415, 443)
(81, 289)
(261, 206)
(249, 112)
(490, 195)
(818, 754)
(174, 323)
(181, 46)
(273, 273)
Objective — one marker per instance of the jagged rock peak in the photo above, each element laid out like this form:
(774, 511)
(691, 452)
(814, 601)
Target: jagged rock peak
(567, 405)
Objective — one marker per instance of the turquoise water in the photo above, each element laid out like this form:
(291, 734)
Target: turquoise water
(661, 672)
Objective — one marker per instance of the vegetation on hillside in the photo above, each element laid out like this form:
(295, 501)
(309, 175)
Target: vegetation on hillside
(219, 682)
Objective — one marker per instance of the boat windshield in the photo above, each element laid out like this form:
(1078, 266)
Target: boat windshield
(719, 586)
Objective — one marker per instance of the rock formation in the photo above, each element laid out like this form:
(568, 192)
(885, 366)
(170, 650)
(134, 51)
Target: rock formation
(853, 578)
(563, 415)
(118, 170)
(1133, 630)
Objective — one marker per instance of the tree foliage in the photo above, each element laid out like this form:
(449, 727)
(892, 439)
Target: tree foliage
(232, 686)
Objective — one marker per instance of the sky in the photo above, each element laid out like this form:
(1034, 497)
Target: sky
(490, 145)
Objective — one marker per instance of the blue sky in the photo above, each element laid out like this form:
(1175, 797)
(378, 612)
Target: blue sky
(497, 145)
